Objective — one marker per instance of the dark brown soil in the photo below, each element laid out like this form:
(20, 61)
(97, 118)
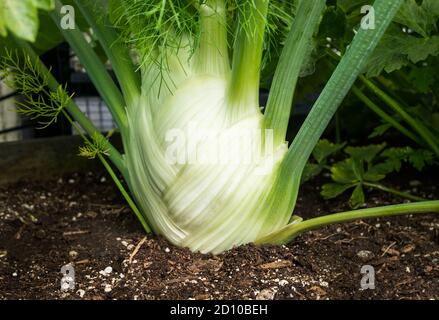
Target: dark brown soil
(82, 220)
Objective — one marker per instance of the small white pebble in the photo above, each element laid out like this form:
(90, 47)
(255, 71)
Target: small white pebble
(81, 293)
(71, 181)
(365, 255)
(407, 269)
(28, 207)
(283, 282)
(103, 179)
(108, 270)
(265, 294)
(167, 250)
(14, 274)
(73, 254)
(124, 243)
(108, 288)
(130, 247)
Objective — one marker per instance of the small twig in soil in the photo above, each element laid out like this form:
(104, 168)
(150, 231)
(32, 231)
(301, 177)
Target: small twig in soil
(276, 265)
(74, 233)
(20, 230)
(325, 238)
(136, 249)
(85, 261)
(388, 248)
(344, 241)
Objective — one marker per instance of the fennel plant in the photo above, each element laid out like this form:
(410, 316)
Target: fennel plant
(198, 63)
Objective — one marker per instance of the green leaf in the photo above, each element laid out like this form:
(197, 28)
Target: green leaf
(3, 32)
(21, 17)
(417, 158)
(421, 158)
(419, 18)
(48, 36)
(333, 190)
(398, 49)
(350, 5)
(367, 153)
(311, 170)
(333, 24)
(324, 149)
(422, 78)
(357, 198)
(45, 4)
(346, 171)
(380, 130)
(377, 172)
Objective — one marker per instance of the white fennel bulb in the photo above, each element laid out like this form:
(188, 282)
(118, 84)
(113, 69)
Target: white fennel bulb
(201, 173)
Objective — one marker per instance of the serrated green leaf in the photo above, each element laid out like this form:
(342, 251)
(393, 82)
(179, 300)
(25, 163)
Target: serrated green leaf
(367, 153)
(422, 78)
(333, 190)
(398, 48)
(377, 172)
(421, 158)
(324, 149)
(357, 198)
(380, 130)
(418, 17)
(417, 158)
(345, 172)
(333, 24)
(310, 171)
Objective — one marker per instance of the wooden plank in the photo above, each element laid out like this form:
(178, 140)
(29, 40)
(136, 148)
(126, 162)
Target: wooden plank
(42, 159)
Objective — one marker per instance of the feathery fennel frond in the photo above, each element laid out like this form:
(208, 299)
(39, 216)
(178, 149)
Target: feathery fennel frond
(95, 147)
(29, 80)
(26, 77)
(157, 27)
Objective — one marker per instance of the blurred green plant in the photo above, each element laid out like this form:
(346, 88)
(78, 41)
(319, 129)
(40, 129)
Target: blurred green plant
(363, 167)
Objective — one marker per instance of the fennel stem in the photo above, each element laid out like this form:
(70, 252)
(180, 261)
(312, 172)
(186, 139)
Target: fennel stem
(243, 91)
(95, 69)
(426, 135)
(118, 54)
(114, 177)
(295, 229)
